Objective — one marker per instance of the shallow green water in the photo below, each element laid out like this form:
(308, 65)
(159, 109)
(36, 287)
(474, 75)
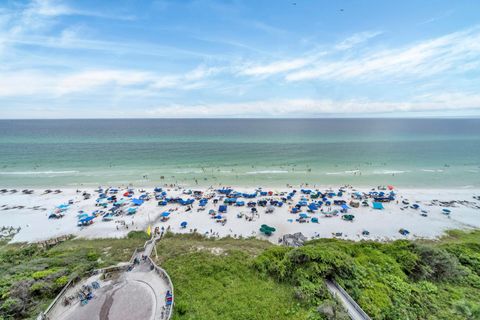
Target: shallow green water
(369, 152)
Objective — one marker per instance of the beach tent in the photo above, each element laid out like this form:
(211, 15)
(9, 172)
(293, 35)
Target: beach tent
(82, 216)
(348, 217)
(107, 217)
(377, 205)
(162, 203)
(137, 202)
(222, 209)
(132, 210)
(303, 215)
(267, 230)
(230, 200)
(165, 214)
(345, 207)
(85, 221)
(314, 220)
(225, 191)
(240, 203)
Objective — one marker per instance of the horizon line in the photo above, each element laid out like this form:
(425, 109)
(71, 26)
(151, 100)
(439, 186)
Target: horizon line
(476, 117)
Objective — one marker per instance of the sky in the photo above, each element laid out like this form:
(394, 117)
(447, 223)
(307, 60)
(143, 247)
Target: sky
(206, 58)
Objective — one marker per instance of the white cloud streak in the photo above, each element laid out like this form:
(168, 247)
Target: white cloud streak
(356, 39)
(427, 58)
(15, 84)
(318, 107)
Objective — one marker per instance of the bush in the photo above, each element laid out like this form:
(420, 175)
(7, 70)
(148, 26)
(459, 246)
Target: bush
(436, 264)
(142, 235)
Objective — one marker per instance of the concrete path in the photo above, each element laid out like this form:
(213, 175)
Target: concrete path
(353, 309)
(128, 295)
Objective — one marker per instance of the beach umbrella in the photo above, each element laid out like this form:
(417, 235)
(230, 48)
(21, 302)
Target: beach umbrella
(303, 215)
(183, 224)
(165, 214)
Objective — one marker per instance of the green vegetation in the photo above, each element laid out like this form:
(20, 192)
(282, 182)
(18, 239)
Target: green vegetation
(397, 280)
(214, 279)
(30, 276)
(253, 279)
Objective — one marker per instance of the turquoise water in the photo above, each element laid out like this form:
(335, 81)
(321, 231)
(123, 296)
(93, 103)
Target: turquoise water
(362, 152)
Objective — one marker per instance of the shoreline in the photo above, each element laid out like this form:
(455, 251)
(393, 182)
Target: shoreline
(30, 212)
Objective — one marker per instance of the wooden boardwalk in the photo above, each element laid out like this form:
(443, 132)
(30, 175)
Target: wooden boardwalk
(353, 309)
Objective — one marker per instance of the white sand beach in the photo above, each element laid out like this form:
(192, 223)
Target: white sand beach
(30, 212)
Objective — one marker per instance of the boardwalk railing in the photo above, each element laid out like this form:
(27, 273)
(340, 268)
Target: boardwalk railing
(160, 271)
(350, 300)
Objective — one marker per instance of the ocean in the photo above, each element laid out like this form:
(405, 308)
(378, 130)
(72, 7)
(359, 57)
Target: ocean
(424, 153)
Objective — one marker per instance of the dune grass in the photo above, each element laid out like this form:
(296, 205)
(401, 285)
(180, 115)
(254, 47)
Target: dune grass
(214, 279)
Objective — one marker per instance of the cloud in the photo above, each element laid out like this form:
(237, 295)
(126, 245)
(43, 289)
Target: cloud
(357, 39)
(427, 58)
(319, 107)
(55, 8)
(276, 67)
(35, 82)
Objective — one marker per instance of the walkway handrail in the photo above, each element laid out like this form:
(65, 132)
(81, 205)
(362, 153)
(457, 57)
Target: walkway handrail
(164, 273)
(57, 298)
(106, 270)
(350, 299)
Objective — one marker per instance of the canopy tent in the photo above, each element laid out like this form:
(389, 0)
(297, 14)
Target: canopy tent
(377, 205)
(137, 202)
(267, 230)
(85, 221)
(107, 217)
